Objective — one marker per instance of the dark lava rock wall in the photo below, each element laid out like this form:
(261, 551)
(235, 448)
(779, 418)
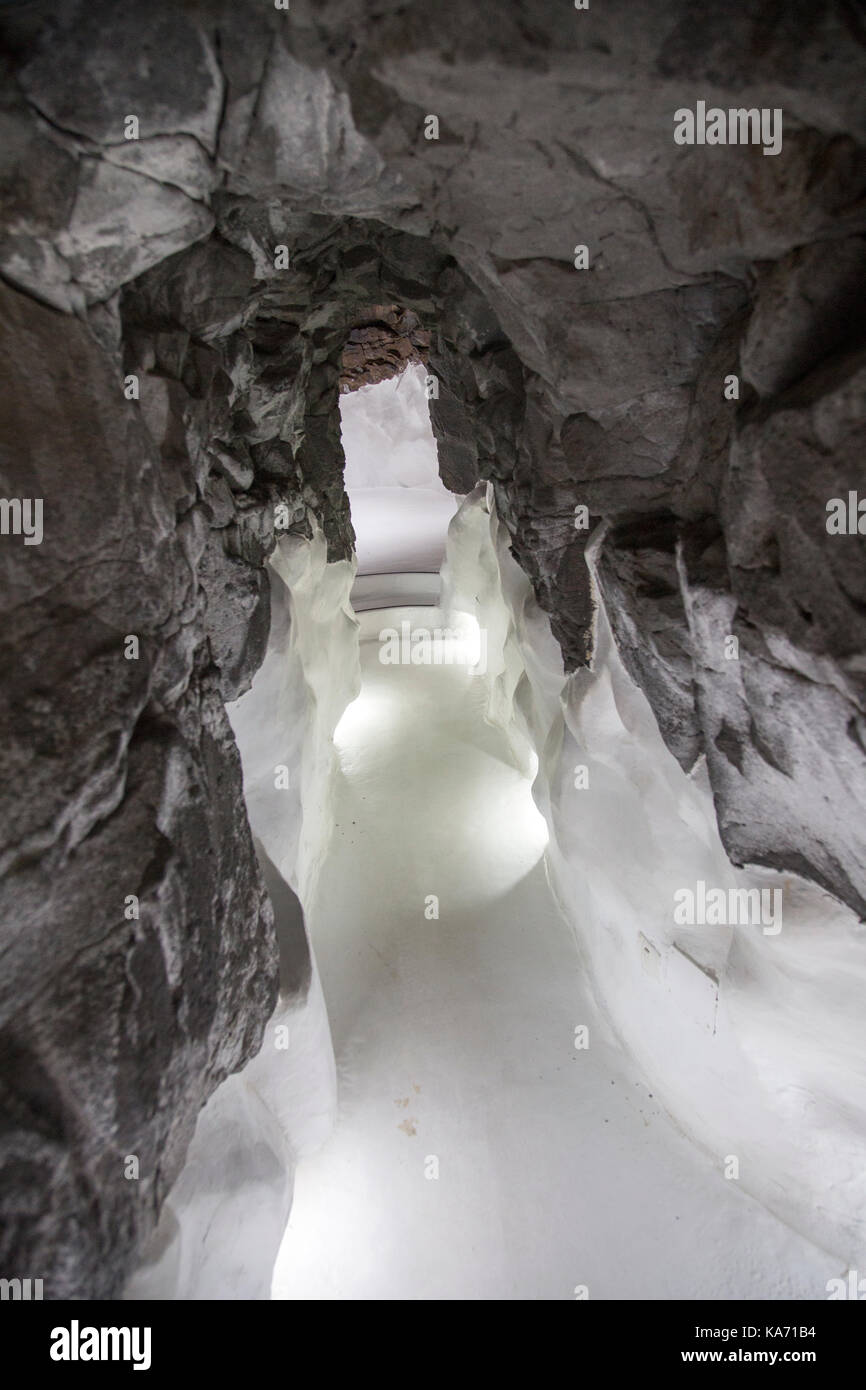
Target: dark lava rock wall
(138, 957)
(176, 312)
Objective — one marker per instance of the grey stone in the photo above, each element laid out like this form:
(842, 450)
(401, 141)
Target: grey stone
(120, 777)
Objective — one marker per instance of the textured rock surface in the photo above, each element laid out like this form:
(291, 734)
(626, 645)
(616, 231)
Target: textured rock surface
(382, 348)
(755, 1041)
(222, 1224)
(599, 388)
(120, 777)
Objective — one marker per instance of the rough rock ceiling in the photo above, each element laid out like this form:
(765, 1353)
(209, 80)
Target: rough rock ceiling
(382, 347)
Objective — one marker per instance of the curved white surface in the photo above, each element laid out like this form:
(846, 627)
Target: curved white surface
(400, 530)
(400, 506)
(371, 591)
(753, 1042)
(478, 1154)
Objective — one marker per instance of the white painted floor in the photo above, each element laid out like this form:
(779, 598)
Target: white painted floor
(455, 1042)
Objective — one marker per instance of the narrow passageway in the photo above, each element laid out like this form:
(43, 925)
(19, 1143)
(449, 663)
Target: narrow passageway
(478, 1152)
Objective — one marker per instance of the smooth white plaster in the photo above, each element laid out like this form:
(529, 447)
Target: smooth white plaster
(754, 1042)
(455, 1042)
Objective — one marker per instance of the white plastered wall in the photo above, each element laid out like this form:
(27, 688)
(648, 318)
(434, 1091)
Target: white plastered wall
(223, 1221)
(754, 1042)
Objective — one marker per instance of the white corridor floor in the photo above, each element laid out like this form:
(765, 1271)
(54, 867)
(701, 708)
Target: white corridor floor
(455, 1048)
